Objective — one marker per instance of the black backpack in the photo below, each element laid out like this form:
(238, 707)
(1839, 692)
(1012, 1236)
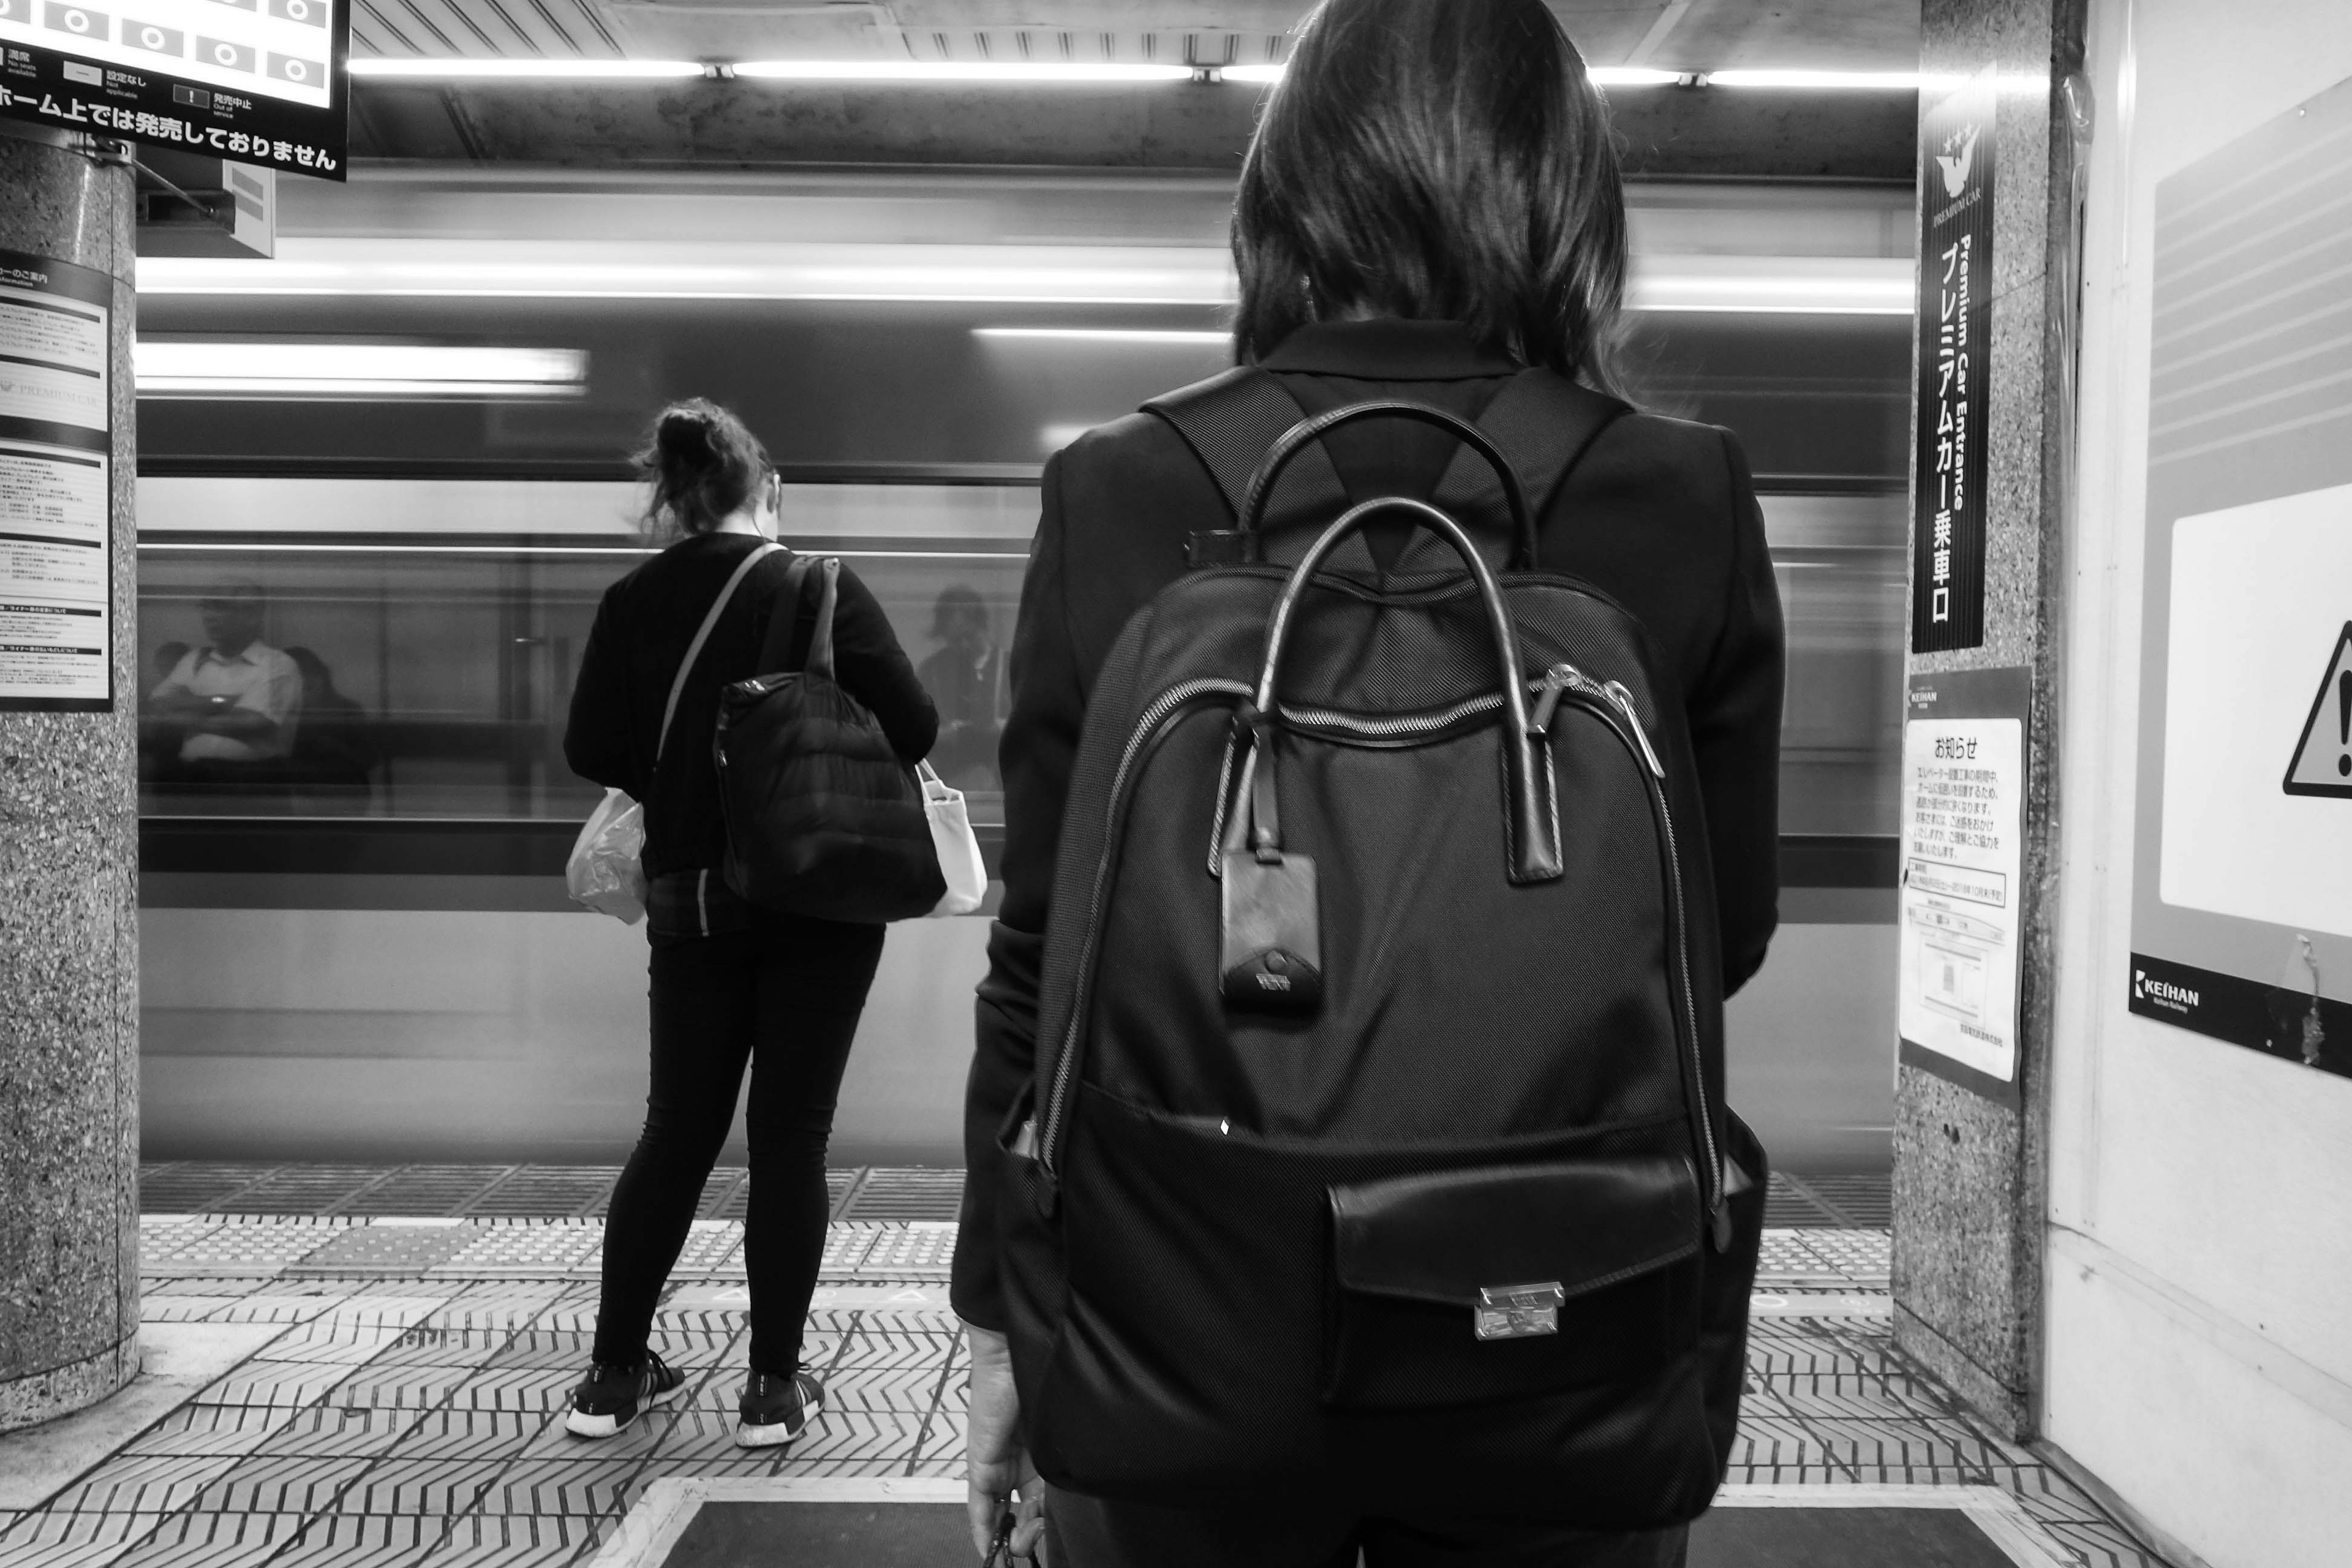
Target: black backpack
(823, 819)
(1377, 1145)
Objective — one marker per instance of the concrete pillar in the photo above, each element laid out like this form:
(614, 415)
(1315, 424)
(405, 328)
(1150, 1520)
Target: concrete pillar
(69, 906)
(1971, 1173)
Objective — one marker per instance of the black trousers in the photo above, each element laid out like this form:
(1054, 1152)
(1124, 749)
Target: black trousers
(782, 994)
(1086, 1532)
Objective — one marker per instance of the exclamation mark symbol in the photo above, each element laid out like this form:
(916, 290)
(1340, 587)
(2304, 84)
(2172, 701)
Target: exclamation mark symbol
(2344, 723)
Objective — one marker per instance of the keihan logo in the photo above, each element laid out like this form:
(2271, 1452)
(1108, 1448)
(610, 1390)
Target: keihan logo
(1959, 154)
(2164, 993)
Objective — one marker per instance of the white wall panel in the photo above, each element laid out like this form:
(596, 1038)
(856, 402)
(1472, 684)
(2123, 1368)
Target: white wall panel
(2201, 1268)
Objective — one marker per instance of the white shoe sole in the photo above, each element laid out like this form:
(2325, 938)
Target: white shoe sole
(775, 1436)
(580, 1423)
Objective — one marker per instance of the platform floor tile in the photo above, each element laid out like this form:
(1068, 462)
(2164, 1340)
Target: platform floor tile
(520, 1541)
(414, 1419)
(216, 1429)
(212, 1540)
(361, 1541)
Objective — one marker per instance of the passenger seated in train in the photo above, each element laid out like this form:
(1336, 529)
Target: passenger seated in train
(228, 712)
(964, 677)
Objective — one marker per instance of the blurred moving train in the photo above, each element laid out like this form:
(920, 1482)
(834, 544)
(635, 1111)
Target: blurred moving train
(407, 433)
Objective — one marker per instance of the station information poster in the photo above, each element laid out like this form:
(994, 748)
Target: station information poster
(2241, 884)
(1962, 876)
(1953, 360)
(57, 554)
(254, 81)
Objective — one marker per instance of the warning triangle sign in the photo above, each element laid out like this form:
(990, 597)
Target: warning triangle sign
(2323, 758)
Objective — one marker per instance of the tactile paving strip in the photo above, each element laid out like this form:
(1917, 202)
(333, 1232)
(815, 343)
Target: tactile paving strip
(907, 1195)
(547, 1191)
(427, 1190)
(389, 1251)
(919, 1251)
(186, 1186)
(239, 1249)
(525, 1251)
(845, 1246)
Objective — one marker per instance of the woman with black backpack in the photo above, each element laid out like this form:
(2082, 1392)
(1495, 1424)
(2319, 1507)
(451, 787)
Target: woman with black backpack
(1432, 212)
(732, 983)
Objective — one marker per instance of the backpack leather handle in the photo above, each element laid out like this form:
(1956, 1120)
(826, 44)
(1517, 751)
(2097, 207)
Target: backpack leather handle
(1306, 432)
(1532, 804)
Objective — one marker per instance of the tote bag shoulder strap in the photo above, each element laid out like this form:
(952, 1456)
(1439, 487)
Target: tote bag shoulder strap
(783, 618)
(702, 635)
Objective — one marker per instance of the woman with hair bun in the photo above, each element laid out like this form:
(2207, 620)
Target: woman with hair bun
(731, 984)
(1431, 212)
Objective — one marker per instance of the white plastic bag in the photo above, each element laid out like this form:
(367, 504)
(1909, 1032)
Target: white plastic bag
(951, 834)
(606, 871)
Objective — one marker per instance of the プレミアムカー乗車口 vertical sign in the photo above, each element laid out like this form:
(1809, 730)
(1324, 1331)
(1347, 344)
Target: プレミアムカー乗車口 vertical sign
(1953, 362)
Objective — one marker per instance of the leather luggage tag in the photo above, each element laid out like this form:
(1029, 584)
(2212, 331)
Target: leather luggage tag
(1273, 956)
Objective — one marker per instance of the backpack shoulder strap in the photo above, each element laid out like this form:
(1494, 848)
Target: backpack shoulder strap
(1230, 422)
(702, 635)
(783, 621)
(1544, 424)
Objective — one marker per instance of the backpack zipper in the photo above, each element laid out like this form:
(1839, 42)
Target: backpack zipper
(1162, 706)
(1610, 703)
(1565, 677)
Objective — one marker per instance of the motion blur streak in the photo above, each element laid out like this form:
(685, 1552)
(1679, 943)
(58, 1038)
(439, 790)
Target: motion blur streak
(1008, 274)
(398, 371)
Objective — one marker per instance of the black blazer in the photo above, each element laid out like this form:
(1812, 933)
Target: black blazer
(642, 629)
(1660, 514)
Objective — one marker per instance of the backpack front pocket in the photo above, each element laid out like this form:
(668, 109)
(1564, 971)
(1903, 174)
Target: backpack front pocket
(1509, 1282)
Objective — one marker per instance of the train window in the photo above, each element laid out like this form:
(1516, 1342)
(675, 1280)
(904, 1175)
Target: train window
(320, 671)
(299, 666)
(1840, 564)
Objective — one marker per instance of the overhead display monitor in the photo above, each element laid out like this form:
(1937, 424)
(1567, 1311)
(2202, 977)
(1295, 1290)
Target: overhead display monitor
(254, 81)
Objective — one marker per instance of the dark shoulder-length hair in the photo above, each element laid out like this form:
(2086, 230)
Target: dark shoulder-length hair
(1436, 160)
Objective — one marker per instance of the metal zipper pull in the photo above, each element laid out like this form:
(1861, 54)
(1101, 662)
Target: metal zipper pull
(1624, 701)
(1556, 680)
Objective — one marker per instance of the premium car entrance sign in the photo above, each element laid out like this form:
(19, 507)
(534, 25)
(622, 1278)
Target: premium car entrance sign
(255, 81)
(1954, 359)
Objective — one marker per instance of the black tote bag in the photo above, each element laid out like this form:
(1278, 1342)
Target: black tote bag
(823, 819)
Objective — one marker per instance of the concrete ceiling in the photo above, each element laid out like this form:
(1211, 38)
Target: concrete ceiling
(1667, 131)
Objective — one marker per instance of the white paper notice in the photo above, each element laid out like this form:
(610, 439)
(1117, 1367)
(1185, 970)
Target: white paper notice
(1963, 784)
(54, 581)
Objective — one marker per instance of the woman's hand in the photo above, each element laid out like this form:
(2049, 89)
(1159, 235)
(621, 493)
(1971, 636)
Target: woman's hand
(997, 1467)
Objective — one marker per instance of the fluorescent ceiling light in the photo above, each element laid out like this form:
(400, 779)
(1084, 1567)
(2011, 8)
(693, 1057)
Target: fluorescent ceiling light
(307, 370)
(1110, 335)
(523, 70)
(1644, 76)
(956, 71)
(1774, 285)
(945, 274)
(653, 269)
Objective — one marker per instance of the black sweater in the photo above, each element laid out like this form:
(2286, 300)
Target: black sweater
(1660, 514)
(642, 630)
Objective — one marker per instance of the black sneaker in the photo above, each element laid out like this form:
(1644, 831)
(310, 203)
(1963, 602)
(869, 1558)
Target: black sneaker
(610, 1397)
(775, 1409)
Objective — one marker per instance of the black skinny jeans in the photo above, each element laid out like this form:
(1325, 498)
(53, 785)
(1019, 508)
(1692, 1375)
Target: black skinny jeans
(783, 993)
